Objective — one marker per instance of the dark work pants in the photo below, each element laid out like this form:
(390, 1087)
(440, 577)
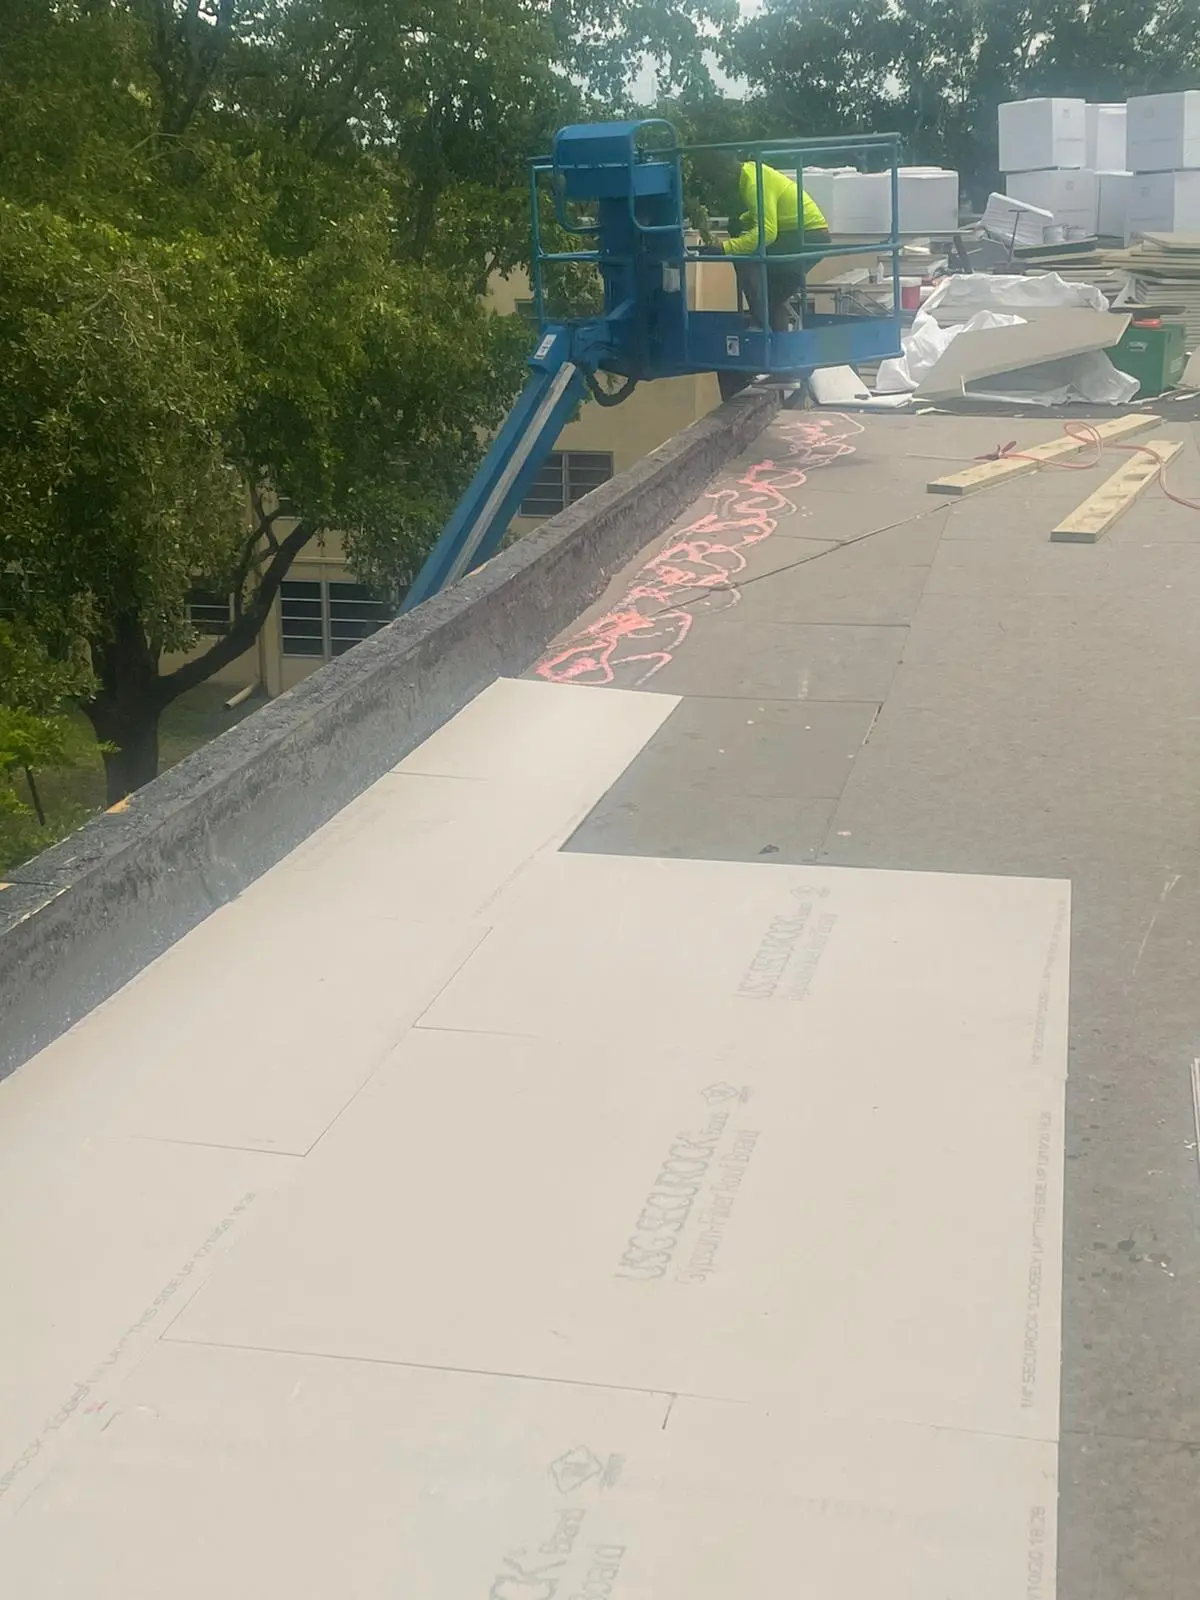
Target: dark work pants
(784, 279)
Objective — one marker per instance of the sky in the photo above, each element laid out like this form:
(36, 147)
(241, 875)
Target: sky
(644, 83)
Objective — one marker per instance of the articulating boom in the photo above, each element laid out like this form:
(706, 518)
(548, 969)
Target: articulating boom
(627, 177)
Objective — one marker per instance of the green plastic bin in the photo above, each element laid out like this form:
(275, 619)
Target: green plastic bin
(1155, 356)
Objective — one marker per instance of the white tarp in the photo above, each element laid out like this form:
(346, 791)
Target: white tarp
(986, 303)
(961, 295)
(1091, 377)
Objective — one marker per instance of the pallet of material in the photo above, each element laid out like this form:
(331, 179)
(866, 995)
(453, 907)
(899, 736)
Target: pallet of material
(1162, 268)
(1092, 519)
(1178, 293)
(990, 473)
(1165, 268)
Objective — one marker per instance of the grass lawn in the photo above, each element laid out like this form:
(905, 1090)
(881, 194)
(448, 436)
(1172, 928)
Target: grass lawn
(71, 794)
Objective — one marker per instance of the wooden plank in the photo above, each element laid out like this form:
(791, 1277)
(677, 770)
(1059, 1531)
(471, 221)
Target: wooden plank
(1092, 519)
(989, 473)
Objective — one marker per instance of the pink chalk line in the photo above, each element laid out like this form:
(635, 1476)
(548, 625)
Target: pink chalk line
(641, 633)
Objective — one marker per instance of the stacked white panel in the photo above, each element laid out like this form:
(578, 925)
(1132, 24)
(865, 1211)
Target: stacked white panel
(1164, 202)
(1036, 134)
(1072, 196)
(1015, 223)
(861, 202)
(1106, 138)
(818, 185)
(928, 200)
(1115, 192)
(1163, 132)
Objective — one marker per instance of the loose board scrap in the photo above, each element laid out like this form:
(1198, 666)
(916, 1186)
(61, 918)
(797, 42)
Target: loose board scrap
(990, 473)
(986, 352)
(1092, 519)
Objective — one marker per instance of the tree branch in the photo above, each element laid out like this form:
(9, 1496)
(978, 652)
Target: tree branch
(330, 132)
(246, 628)
(237, 584)
(203, 46)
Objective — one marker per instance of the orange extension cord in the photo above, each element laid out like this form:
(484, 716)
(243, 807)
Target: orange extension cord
(1086, 433)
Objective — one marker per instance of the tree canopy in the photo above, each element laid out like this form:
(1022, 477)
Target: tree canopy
(242, 249)
(935, 70)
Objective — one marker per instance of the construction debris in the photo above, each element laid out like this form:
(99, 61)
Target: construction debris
(842, 387)
(958, 298)
(1014, 223)
(1046, 337)
(1161, 272)
(927, 345)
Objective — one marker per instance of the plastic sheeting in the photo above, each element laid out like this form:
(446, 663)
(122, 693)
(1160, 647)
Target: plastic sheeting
(966, 293)
(997, 302)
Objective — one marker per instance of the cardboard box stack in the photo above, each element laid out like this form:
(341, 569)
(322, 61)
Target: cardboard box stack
(1071, 195)
(1105, 138)
(1151, 204)
(1164, 156)
(1119, 171)
(1044, 154)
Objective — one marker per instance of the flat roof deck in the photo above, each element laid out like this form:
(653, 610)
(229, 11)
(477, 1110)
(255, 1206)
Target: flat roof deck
(630, 1150)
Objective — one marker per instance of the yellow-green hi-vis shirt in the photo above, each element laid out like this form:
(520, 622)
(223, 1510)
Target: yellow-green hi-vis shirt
(780, 210)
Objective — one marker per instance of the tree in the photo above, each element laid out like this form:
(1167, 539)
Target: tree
(167, 385)
(34, 734)
(241, 248)
(702, 117)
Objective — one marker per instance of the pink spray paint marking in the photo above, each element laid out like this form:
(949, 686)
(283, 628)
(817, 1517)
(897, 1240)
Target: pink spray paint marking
(640, 635)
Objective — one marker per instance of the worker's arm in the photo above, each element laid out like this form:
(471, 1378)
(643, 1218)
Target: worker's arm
(747, 243)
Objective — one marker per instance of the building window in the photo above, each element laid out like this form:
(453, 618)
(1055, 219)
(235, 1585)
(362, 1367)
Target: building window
(325, 619)
(527, 310)
(208, 612)
(566, 477)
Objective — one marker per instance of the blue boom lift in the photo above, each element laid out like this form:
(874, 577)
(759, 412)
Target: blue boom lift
(623, 183)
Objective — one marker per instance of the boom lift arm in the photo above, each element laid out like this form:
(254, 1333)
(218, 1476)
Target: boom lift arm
(476, 530)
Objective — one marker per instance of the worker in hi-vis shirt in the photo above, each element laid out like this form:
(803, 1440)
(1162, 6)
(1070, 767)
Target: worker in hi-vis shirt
(780, 231)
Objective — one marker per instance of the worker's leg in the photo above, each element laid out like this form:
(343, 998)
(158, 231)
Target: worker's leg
(784, 279)
(788, 277)
(749, 281)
